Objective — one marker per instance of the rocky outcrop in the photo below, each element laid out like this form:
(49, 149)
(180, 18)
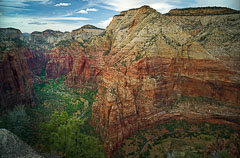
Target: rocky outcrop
(155, 59)
(86, 32)
(45, 39)
(10, 34)
(11, 146)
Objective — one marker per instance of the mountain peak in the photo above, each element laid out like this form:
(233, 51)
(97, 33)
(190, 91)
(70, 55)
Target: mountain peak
(88, 26)
(144, 8)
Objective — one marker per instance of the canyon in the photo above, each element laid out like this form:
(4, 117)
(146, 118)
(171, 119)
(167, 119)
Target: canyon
(142, 65)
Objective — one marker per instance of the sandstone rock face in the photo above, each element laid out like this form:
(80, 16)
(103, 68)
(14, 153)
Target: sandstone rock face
(60, 61)
(11, 146)
(86, 32)
(45, 39)
(155, 59)
(36, 60)
(89, 64)
(10, 33)
(19, 66)
(16, 78)
(48, 39)
(75, 53)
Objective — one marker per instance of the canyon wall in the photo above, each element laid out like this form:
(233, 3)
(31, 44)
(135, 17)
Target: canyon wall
(19, 66)
(16, 78)
(155, 59)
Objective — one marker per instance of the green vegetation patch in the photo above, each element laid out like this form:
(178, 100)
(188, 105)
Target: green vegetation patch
(59, 122)
(180, 138)
(62, 133)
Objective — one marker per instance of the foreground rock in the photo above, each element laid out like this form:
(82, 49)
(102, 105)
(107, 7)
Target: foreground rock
(13, 147)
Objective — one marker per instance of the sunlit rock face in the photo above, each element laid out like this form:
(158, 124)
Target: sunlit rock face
(155, 59)
(48, 39)
(74, 55)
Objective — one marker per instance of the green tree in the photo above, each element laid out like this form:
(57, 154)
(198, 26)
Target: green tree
(62, 134)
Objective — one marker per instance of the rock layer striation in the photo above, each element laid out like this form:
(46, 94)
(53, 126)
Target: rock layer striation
(156, 59)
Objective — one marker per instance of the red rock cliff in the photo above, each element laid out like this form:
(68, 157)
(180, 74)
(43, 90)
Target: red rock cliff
(155, 59)
(16, 78)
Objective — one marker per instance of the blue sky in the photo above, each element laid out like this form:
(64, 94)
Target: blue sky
(66, 15)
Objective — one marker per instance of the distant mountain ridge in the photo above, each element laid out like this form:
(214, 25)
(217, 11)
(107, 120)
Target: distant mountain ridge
(202, 11)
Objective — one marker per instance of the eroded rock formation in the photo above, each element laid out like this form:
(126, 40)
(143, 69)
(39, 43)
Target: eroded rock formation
(155, 59)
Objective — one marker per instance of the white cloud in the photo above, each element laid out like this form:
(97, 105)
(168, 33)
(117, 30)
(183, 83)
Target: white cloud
(162, 6)
(104, 23)
(87, 10)
(82, 12)
(62, 4)
(91, 10)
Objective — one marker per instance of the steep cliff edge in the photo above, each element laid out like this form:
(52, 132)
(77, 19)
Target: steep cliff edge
(19, 65)
(155, 60)
(16, 78)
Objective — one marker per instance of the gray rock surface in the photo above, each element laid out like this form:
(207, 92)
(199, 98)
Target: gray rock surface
(13, 147)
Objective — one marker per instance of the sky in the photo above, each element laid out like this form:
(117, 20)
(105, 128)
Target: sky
(67, 15)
